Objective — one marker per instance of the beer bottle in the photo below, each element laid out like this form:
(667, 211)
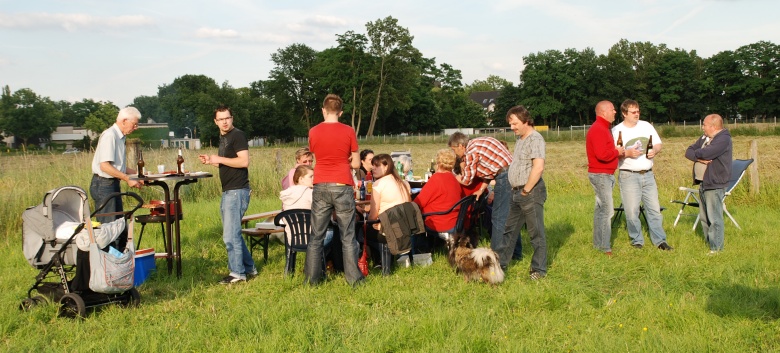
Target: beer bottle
(140, 163)
(180, 164)
(363, 190)
(620, 139)
(649, 146)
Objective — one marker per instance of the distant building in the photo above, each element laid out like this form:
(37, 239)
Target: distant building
(487, 99)
(67, 134)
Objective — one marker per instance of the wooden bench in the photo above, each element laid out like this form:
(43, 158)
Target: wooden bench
(259, 236)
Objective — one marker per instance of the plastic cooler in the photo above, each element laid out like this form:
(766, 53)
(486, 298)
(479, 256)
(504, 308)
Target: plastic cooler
(144, 265)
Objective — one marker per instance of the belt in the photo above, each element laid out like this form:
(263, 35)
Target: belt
(637, 171)
(98, 176)
(518, 188)
(502, 170)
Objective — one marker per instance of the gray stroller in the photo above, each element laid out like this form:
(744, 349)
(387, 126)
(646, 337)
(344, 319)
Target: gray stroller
(78, 267)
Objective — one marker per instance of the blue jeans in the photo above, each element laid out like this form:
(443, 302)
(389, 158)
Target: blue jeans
(711, 215)
(100, 188)
(327, 198)
(636, 188)
(232, 207)
(502, 200)
(604, 209)
(528, 210)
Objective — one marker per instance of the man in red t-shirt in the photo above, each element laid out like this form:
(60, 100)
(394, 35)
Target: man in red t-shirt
(335, 146)
(602, 162)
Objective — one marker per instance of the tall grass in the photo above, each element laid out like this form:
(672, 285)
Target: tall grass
(636, 300)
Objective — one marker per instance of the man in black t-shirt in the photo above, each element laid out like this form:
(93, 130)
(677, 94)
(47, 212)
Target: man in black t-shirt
(233, 162)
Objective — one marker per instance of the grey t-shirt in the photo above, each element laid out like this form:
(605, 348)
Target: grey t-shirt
(525, 151)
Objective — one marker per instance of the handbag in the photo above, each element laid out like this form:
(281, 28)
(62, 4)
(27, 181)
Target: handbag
(110, 273)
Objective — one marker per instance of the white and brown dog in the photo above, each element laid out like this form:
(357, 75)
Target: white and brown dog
(475, 264)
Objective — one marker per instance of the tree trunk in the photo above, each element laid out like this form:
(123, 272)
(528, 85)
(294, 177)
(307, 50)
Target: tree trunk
(375, 111)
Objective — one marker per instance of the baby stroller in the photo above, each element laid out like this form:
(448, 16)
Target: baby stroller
(75, 270)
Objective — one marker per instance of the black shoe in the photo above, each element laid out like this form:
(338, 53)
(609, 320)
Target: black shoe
(638, 246)
(665, 246)
(230, 280)
(251, 275)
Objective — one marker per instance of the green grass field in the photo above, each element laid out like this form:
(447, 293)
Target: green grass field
(636, 300)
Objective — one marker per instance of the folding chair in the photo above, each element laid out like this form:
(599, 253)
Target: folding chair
(738, 168)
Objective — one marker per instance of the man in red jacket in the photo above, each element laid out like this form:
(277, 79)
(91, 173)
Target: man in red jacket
(602, 161)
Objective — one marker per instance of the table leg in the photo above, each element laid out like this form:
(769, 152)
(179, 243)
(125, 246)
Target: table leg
(168, 222)
(177, 236)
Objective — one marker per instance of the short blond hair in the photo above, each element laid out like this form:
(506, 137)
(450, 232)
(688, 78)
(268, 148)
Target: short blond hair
(445, 158)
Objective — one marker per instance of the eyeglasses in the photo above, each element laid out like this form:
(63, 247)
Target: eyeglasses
(633, 111)
(223, 119)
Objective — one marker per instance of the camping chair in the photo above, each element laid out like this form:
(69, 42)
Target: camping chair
(464, 208)
(738, 168)
(297, 223)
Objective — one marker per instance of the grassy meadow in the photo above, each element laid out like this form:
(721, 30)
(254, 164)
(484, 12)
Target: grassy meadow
(636, 300)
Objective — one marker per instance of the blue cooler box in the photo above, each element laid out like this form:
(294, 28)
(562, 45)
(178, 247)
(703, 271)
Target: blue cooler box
(144, 265)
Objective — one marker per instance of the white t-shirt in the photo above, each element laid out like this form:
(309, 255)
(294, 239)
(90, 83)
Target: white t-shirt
(636, 138)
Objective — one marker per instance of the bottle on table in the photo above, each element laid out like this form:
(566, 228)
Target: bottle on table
(620, 139)
(180, 164)
(140, 163)
(649, 146)
(369, 189)
(362, 190)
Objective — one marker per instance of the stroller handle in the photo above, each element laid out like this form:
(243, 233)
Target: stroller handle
(121, 194)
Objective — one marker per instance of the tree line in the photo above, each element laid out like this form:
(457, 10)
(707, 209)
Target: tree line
(671, 85)
(389, 87)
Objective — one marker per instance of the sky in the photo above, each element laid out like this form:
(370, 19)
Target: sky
(109, 50)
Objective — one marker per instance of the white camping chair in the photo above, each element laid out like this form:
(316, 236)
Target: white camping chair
(738, 168)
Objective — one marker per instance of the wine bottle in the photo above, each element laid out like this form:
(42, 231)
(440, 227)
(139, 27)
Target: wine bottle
(620, 139)
(649, 146)
(433, 167)
(140, 163)
(180, 164)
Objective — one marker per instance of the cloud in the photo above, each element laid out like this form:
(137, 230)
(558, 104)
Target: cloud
(206, 32)
(326, 22)
(72, 22)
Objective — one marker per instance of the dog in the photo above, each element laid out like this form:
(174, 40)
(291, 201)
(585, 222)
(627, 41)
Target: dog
(475, 264)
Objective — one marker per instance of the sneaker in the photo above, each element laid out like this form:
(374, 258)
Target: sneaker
(251, 275)
(638, 246)
(608, 253)
(665, 246)
(535, 276)
(230, 280)
(713, 252)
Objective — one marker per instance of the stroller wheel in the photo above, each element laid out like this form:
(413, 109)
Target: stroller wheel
(134, 298)
(72, 306)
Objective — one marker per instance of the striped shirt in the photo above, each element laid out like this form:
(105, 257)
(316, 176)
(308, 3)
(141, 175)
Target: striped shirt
(484, 158)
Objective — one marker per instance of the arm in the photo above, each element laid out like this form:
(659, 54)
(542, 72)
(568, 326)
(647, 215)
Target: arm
(354, 160)
(537, 167)
(717, 147)
(656, 149)
(240, 161)
(468, 169)
(109, 169)
(690, 153)
(604, 148)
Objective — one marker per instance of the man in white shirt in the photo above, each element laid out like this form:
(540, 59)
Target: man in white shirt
(636, 178)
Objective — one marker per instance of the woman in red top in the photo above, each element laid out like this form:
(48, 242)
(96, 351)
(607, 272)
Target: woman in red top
(439, 194)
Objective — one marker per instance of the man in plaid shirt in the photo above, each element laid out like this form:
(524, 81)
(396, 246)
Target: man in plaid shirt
(489, 159)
